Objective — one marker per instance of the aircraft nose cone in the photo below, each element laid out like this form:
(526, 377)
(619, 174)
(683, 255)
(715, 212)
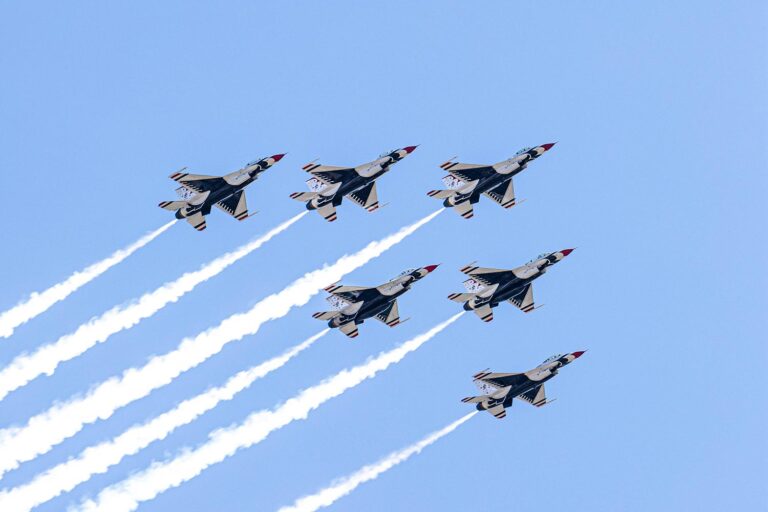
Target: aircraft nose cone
(409, 149)
(548, 145)
(578, 354)
(566, 252)
(277, 158)
(431, 268)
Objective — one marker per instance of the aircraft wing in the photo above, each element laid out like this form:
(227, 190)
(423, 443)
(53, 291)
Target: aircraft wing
(198, 182)
(347, 293)
(486, 275)
(498, 380)
(391, 315)
(329, 174)
(235, 205)
(504, 194)
(468, 172)
(535, 396)
(523, 299)
(366, 197)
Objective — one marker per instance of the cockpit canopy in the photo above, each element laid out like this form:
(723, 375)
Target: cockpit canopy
(552, 358)
(387, 153)
(523, 150)
(249, 164)
(405, 273)
(539, 257)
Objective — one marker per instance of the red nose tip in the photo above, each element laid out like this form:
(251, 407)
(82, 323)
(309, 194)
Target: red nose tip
(566, 252)
(431, 268)
(409, 149)
(548, 146)
(277, 158)
(578, 354)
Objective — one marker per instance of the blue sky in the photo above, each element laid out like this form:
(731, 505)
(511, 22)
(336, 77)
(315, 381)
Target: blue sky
(659, 110)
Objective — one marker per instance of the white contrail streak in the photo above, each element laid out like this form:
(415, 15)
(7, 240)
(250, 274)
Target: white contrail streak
(45, 430)
(47, 358)
(344, 486)
(225, 442)
(39, 302)
(99, 458)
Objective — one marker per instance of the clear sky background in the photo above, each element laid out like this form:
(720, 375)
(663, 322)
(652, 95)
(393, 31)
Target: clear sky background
(658, 178)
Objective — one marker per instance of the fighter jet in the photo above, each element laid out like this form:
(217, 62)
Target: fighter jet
(199, 192)
(329, 185)
(355, 304)
(487, 287)
(501, 388)
(466, 182)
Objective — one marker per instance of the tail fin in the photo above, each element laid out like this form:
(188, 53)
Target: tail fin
(303, 196)
(172, 205)
(441, 194)
(326, 315)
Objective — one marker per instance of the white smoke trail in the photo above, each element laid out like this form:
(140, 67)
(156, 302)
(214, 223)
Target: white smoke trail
(225, 442)
(47, 358)
(344, 486)
(45, 430)
(99, 458)
(39, 302)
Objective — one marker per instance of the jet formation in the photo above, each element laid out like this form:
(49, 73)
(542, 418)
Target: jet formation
(500, 389)
(355, 304)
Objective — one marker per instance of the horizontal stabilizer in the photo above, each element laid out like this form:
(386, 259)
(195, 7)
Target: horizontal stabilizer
(461, 297)
(172, 205)
(303, 196)
(328, 212)
(473, 399)
(197, 221)
(350, 329)
(465, 209)
(441, 194)
(498, 411)
(326, 315)
(485, 313)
